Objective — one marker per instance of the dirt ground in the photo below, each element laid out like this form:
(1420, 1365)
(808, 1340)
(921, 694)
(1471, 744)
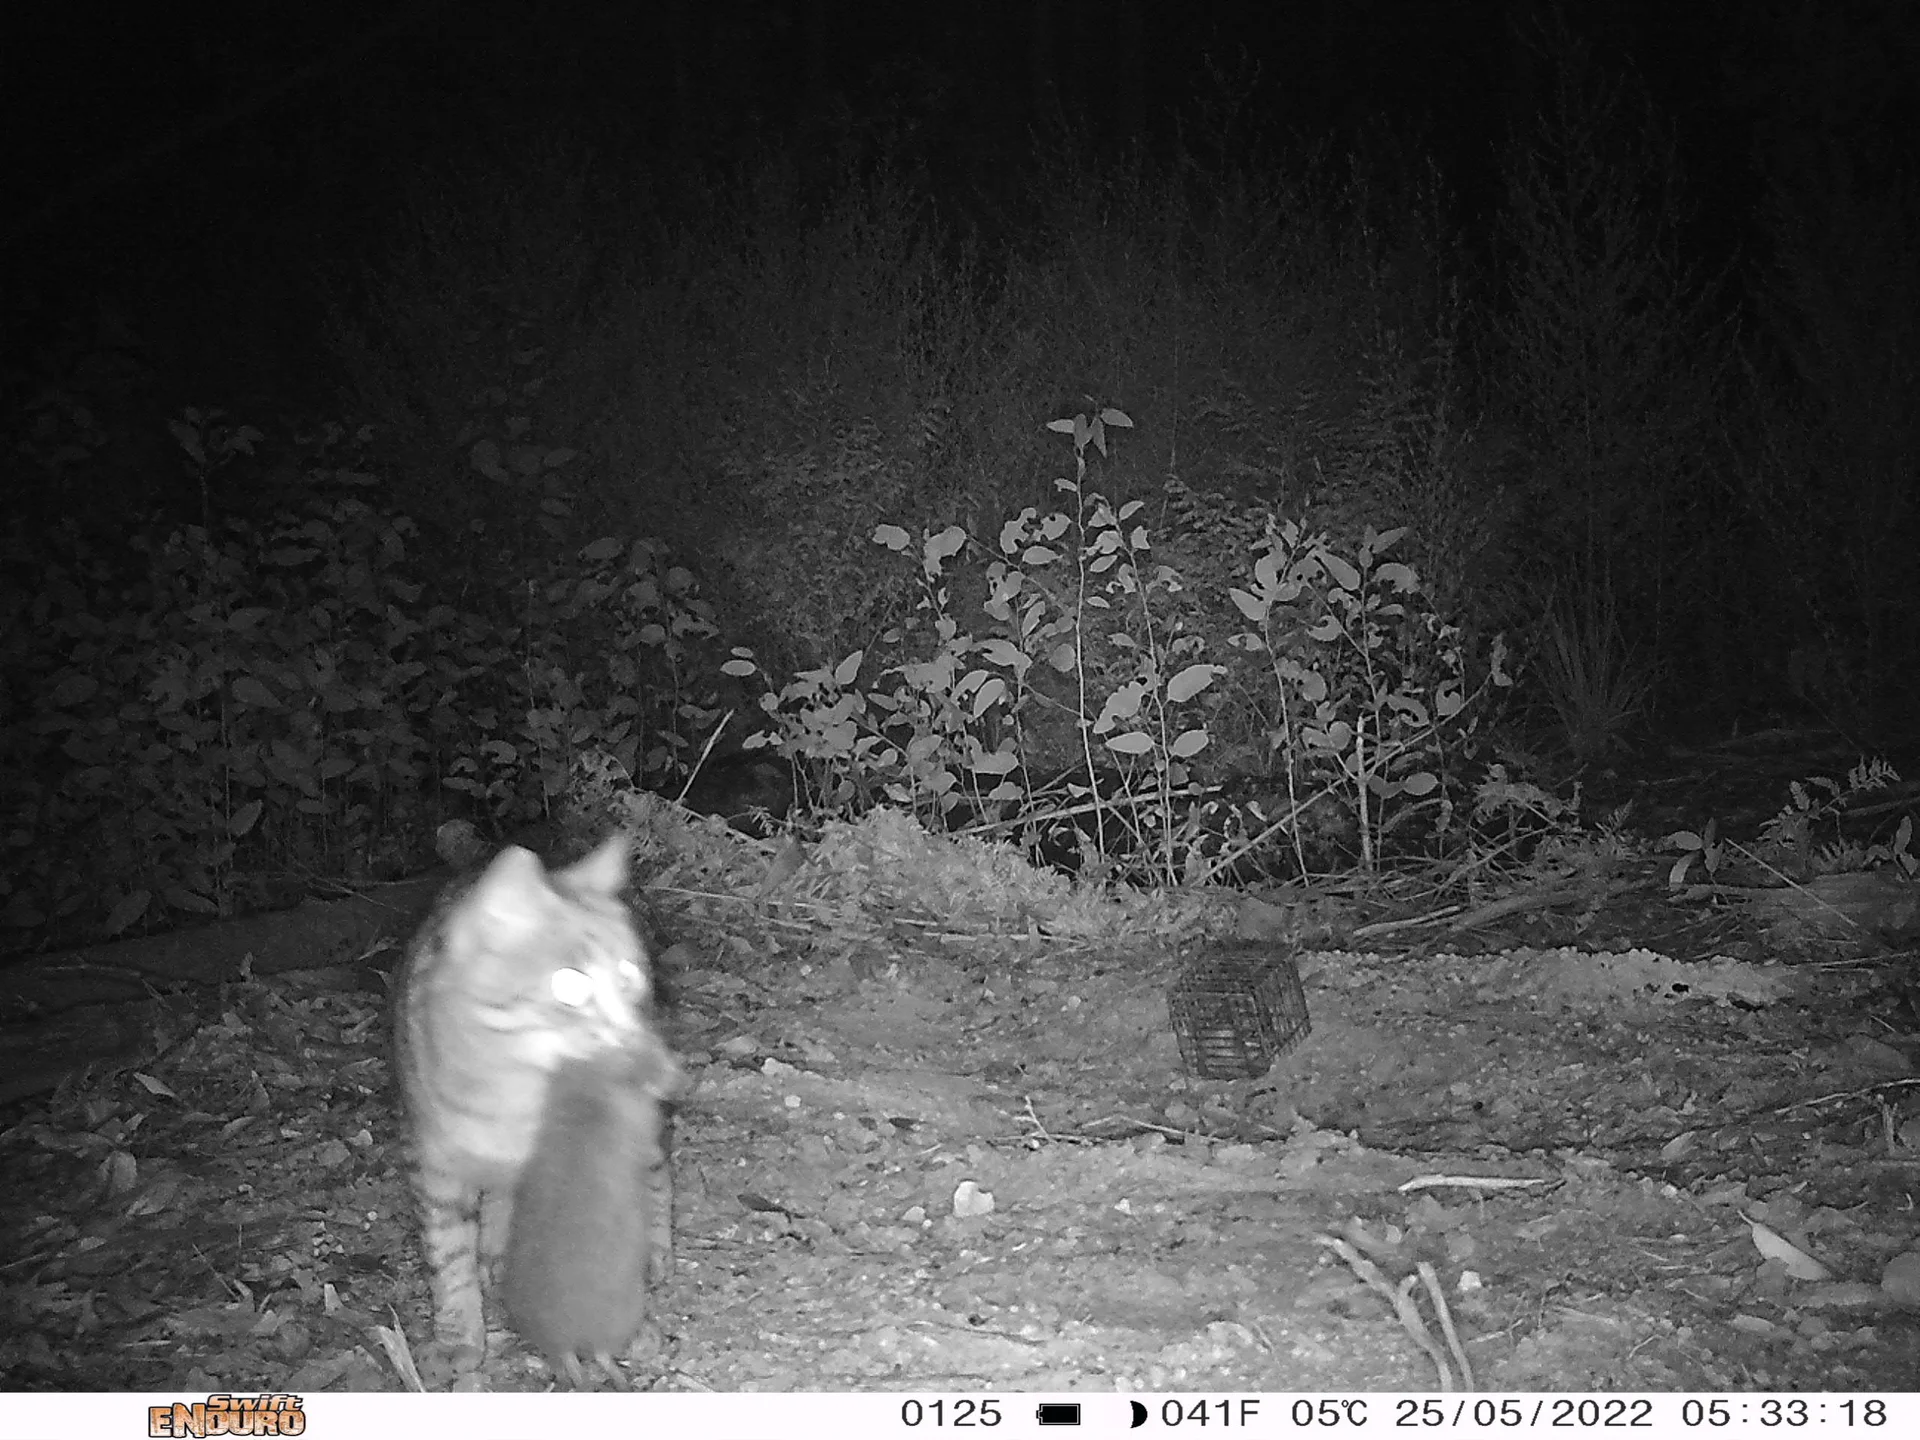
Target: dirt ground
(981, 1163)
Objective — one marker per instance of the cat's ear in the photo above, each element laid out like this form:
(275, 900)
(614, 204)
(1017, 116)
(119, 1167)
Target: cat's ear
(603, 872)
(511, 897)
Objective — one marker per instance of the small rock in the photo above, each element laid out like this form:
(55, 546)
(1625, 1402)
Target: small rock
(1872, 1053)
(1900, 1281)
(293, 1341)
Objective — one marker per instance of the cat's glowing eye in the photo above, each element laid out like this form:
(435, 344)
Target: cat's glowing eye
(572, 988)
(632, 974)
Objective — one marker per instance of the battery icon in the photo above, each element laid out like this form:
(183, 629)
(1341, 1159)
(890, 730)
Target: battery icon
(1060, 1414)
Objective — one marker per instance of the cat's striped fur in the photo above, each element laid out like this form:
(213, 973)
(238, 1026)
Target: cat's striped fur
(515, 973)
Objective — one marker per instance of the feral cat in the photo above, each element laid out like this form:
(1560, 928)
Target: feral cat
(591, 1226)
(514, 974)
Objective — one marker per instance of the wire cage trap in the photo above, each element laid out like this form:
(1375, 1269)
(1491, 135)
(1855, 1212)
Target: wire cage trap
(1235, 1013)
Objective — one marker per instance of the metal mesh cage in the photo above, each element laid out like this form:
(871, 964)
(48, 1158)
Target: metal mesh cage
(1234, 1013)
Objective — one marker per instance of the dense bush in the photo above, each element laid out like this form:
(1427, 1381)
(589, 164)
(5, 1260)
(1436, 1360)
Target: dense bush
(293, 693)
(1091, 656)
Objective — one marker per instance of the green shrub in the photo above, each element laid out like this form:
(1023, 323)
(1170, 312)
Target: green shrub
(1367, 688)
(287, 694)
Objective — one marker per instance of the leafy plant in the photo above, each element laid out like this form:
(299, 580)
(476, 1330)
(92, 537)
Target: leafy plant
(1704, 846)
(1152, 673)
(1788, 844)
(1522, 808)
(207, 703)
(1082, 625)
(223, 686)
(1595, 682)
(211, 445)
(1068, 594)
(1372, 687)
(1790, 837)
(603, 663)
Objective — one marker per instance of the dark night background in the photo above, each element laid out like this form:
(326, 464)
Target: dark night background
(1614, 304)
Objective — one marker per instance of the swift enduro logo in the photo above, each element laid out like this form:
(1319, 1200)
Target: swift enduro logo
(228, 1415)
